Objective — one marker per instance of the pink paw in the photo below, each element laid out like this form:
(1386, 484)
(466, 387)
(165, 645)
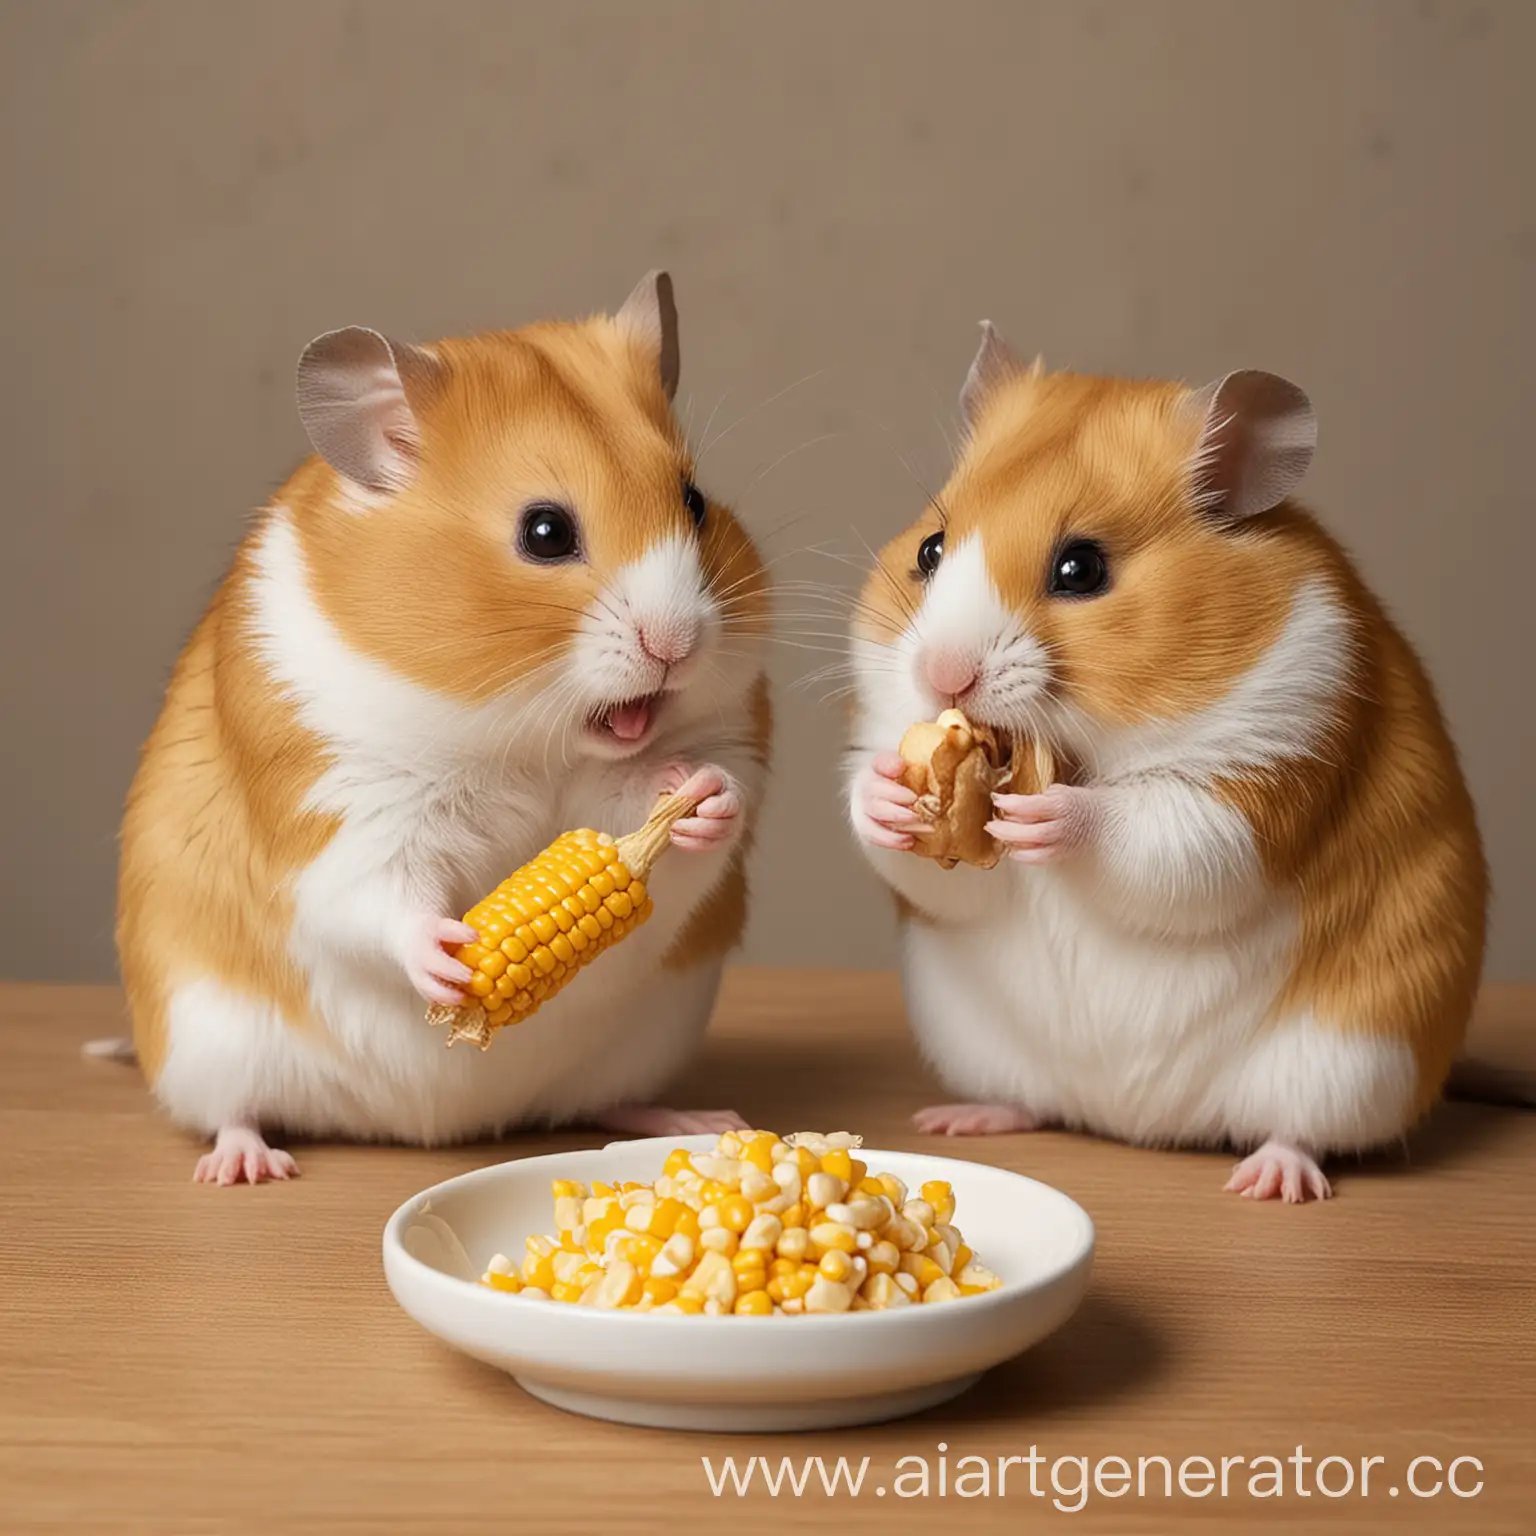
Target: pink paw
(716, 819)
(1038, 828)
(240, 1153)
(881, 805)
(653, 1120)
(974, 1120)
(428, 965)
(1279, 1171)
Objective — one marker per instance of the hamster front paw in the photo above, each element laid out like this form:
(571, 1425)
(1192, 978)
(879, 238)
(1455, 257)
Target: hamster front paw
(428, 965)
(881, 805)
(716, 821)
(1036, 829)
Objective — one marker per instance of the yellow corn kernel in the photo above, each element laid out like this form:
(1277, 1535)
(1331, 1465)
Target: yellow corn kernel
(754, 1304)
(736, 1213)
(758, 1150)
(839, 1164)
(893, 1189)
(679, 1160)
(794, 1216)
(784, 1288)
(870, 1187)
(793, 1243)
(963, 1256)
(497, 1282)
(566, 1290)
(836, 1265)
(828, 1235)
(597, 1231)
(763, 1234)
(687, 1223)
(719, 1240)
(975, 1277)
(605, 1191)
(687, 1303)
(941, 1197)
(757, 1186)
(619, 1286)
(712, 1280)
(595, 1206)
(921, 1268)
(806, 1161)
(660, 1291)
(828, 1296)
(665, 1216)
(748, 1259)
(881, 1291)
(538, 1272)
(637, 1250)
(883, 1258)
(783, 1267)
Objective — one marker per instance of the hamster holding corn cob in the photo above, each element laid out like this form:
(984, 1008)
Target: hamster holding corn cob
(494, 607)
(1255, 913)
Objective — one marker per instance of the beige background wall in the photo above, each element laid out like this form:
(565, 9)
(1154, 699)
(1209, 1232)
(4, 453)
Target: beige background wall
(1341, 192)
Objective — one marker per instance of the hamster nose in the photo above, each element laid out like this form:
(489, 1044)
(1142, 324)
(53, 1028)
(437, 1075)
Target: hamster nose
(948, 674)
(668, 643)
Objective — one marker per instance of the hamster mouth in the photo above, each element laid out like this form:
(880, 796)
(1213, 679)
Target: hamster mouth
(627, 721)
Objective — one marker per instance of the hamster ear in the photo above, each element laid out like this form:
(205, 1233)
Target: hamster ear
(649, 315)
(995, 362)
(1257, 439)
(354, 391)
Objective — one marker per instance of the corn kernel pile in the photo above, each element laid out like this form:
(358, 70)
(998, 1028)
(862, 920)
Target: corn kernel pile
(758, 1227)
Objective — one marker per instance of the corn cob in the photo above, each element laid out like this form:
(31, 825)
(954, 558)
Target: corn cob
(553, 916)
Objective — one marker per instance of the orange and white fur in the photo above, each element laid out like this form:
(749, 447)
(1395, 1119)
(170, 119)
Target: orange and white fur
(493, 607)
(1256, 915)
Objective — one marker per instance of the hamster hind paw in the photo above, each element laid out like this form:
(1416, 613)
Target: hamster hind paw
(1278, 1171)
(653, 1120)
(241, 1155)
(974, 1120)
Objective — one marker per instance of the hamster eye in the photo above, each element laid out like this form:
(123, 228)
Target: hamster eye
(929, 553)
(693, 499)
(548, 533)
(1079, 570)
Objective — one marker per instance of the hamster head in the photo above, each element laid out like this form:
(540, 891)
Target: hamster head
(1102, 554)
(511, 520)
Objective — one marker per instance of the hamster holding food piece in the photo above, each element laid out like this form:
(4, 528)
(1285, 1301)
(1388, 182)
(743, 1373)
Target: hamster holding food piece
(1254, 914)
(495, 606)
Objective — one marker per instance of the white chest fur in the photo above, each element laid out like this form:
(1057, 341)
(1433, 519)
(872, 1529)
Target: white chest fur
(1045, 1002)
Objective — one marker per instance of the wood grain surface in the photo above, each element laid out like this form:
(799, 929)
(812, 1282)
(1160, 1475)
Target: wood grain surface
(182, 1359)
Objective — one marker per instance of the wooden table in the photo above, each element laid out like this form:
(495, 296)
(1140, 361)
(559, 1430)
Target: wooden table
(176, 1358)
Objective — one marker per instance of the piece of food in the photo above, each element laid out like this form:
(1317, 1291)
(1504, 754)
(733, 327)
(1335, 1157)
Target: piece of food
(954, 767)
(553, 916)
(759, 1227)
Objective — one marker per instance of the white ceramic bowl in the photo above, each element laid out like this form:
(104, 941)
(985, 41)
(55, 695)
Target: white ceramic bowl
(734, 1373)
